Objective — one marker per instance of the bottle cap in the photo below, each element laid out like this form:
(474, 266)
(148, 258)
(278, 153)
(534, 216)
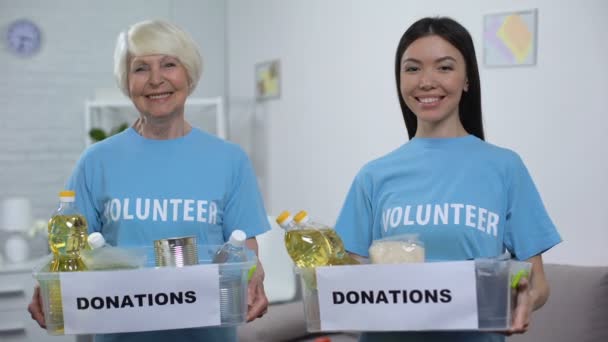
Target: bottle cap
(283, 217)
(96, 240)
(301, 217)
(67, 195)
(237, 237)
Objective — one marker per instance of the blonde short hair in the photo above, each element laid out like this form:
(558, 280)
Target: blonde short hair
(156, 37)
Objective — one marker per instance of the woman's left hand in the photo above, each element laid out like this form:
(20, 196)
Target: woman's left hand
(524, 305)
(257, 303)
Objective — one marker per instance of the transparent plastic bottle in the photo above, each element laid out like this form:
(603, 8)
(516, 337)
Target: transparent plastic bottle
(67, 238)
(233, 280)
(306, 246)
(233, 250)
(337, 253)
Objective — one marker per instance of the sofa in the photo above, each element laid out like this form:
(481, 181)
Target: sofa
(577, 310)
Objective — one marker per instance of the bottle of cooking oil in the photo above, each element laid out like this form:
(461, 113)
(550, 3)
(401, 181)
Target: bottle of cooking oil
(307, 247)
(337, 253)
(67, 237)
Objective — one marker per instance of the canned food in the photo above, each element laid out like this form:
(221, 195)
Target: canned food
(176, 252)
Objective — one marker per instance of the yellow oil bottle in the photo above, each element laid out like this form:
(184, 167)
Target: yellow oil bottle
(337, 253)
(67, 237)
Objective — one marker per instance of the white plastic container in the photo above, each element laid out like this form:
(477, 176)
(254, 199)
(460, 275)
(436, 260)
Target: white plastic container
(235, 307)
(493, 280)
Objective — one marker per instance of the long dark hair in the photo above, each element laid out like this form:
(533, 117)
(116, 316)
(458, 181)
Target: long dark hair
(469, 108)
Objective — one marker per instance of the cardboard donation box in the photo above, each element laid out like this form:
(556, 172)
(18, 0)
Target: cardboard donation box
(455, 295)
(145, 299)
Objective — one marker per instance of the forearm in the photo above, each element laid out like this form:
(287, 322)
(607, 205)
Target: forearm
(539, 287)
(539, 295)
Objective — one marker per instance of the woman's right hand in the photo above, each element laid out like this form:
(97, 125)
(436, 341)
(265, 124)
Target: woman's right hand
(35, 308)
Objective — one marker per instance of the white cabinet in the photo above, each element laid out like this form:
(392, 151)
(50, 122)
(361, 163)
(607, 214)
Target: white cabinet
(205, 113)
(16, 290)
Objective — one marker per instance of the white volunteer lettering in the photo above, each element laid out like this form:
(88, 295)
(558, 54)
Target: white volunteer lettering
(457, 207)
(423, 296)
(151, 299)
(406, 218)
(493, 219)
(396, 216)
(385, 216)
(163, 210)
(115, 209)
(138, 207)
(188, 209)
(213, 213)
(481, 218)
(125, 211)
(442, 214)
(175, 202)
(160, 212)
(470, 215)
(201, 210)
(419, 220)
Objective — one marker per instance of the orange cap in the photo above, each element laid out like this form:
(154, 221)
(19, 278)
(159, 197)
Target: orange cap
(283, 217)
(67, 193)
(300, 216)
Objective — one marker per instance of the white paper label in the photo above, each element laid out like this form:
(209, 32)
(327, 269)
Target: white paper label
(140, 300)
(398, 297)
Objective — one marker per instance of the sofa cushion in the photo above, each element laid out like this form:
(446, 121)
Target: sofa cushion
(577, 309)
(283, 322)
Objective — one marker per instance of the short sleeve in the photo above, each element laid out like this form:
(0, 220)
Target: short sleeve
(354, 224)
(81, 182)
(244, 205)
(529, 230)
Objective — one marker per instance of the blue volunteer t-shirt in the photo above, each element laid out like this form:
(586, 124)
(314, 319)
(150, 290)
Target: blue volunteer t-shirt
(136, 190)
(464, 197)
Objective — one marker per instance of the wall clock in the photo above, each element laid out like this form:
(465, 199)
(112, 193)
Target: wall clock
(23, 38)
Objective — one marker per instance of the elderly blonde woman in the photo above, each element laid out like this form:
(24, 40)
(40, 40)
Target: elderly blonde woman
(205, 184)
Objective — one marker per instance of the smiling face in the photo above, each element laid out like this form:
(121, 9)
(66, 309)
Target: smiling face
(433, 78)
(158, 85)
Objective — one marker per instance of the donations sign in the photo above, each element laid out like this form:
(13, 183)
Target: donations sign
(140, 300)
(398, 297)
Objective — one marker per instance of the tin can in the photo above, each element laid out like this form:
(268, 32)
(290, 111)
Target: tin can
(176, 251)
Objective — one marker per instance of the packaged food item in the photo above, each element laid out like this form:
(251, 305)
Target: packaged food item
(404, 248)
(67, 239)
(102, 256)
(337, 253)
(307, 247)
(311, 244)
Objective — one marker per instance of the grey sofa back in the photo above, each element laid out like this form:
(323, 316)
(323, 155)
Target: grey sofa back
(577, 309)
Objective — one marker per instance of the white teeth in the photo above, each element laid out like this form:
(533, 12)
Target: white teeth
(159, 96)
(428, 99)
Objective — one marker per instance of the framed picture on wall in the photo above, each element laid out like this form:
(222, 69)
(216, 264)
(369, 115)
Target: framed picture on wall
(267, 80)
(510, 39)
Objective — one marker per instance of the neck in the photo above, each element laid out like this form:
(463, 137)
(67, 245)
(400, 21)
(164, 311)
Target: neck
(443, 129)
(161, 129)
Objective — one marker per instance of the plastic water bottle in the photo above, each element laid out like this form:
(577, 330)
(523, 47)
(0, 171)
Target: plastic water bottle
(233, 280)
(233, 250)
(67, 238)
